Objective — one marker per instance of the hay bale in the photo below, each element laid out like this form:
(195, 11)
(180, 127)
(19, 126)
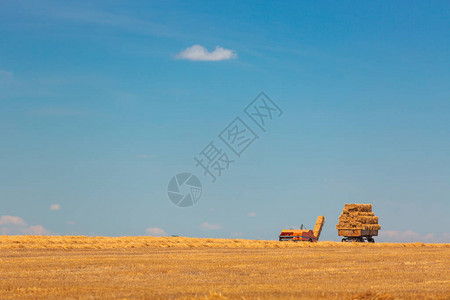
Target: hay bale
(372, 227)
(358, 207)
(358, 216)
(362, 219)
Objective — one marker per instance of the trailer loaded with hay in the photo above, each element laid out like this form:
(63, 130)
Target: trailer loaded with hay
(358, 223)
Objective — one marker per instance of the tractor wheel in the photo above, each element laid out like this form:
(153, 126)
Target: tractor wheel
(370, 240)
(310, 240)
(344, 240)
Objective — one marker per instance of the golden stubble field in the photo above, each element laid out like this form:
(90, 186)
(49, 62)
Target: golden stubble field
(148, 267)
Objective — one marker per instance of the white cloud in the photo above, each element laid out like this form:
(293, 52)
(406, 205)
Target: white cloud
(208, 226)
(36, 230)
(55, 207)
(155, 231)
(252, 214)
(15, 225)
(12, 221)
(410, 236)
(198, 52)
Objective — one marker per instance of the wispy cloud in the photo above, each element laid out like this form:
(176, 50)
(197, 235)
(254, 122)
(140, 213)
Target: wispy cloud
(36, 230)
(12, 225)
(55, 207)
(236, 235)
(252, 214)
(82, 14)
(56, 112)
(12, 220)
(155, 231)
(410, 236)
(208, 226)
(145, 156)
(6, 77)
(200, 53)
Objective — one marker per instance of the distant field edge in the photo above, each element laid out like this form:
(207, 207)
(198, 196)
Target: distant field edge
(101, 242)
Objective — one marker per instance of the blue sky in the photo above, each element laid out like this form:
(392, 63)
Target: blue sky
(102, 102)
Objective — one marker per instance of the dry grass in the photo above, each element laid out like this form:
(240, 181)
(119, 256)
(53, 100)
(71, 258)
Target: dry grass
(147, 267)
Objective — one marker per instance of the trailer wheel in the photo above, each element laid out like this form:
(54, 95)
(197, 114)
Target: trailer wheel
(370, 240)
(310, 240)
(344, 240)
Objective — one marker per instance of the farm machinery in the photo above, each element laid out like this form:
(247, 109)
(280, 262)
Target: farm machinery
(301, 234)
(358, 223)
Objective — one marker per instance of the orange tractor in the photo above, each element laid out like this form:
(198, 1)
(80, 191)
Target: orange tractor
(306, 235)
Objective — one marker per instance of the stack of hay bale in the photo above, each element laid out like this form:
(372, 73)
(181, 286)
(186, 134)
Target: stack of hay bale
(358, 216)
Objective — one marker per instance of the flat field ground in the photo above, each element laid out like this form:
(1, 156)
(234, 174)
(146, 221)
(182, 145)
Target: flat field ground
(151, 268)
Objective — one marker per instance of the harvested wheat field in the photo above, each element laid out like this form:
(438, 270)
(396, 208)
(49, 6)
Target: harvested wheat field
(147, 267)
